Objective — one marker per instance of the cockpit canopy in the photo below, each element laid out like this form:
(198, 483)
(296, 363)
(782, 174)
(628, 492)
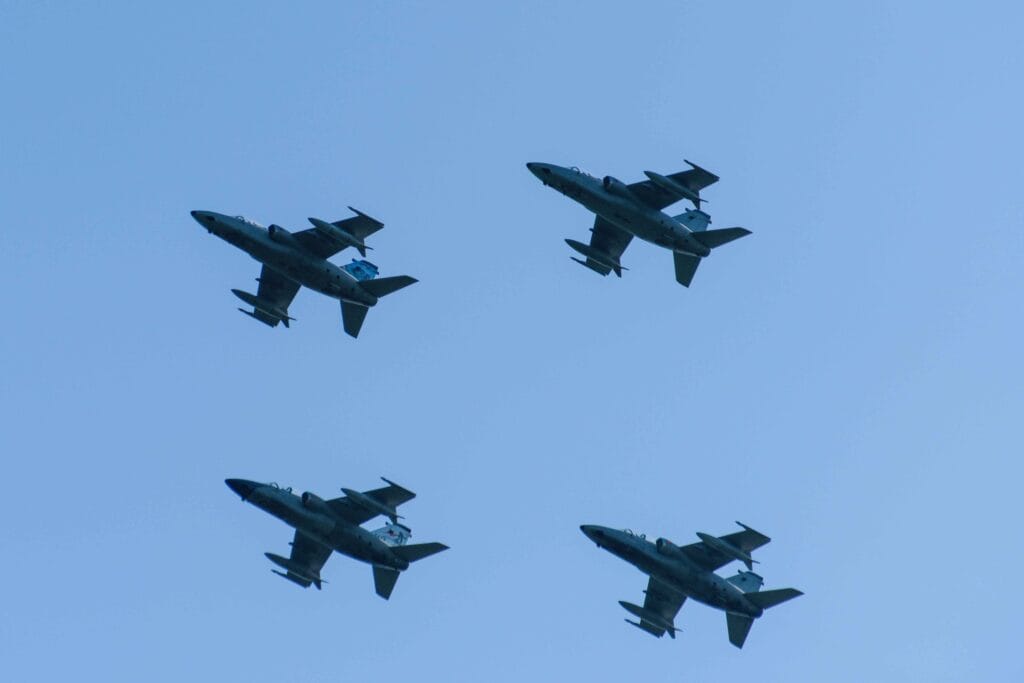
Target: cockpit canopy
(273, 484)
(577, 169)
(630, 532)
(249, 221)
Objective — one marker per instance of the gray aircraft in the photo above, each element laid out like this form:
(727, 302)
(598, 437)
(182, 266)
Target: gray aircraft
(325, 526)
(636, 210)
(293, 259)
(679, 572)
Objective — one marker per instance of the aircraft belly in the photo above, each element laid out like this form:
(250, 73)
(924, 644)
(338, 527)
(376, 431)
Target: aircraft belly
(358, 546)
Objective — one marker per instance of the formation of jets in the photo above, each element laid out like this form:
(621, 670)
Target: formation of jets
(292, 260)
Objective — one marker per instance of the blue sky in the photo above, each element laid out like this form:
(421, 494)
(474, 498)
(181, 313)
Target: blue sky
(846, 380)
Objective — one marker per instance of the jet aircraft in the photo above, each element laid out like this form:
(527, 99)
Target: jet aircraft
(678, 572)
(636, 210)
(325, 526)
(291, 260)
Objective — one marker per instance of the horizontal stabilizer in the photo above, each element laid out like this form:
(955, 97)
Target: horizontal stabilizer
(739, 626)
(686, 267)
(384, 580)
(386, 285)
(417, 551)
(352, 317)
(716, 238)
(766, 599)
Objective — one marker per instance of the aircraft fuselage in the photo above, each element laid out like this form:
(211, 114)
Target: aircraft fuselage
(677, 571)
(326, 528)
(285, 256)
(611, 200)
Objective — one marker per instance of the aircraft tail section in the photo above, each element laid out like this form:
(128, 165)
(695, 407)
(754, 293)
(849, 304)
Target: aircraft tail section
(384, 580)
(352, 317)
(417, 551)
(766, 599)
(739, 626)
(393, 534)
(716, 238)
(386, 285)
(748, 582)
(686, 267)
(694, 219)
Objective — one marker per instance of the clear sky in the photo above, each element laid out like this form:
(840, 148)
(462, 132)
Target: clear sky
(847, 379)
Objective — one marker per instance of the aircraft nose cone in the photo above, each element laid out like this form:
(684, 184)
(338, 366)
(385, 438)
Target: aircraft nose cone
(242, 487)
(539, 170)
(204, 218)
(590, 531)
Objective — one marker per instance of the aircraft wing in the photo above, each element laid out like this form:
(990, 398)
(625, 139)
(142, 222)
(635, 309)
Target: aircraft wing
(663, 600)
(278, 290)
(308, 554)
(611, 240)
(712, 559)
(391, 496)
(360, 226)
(655, 196)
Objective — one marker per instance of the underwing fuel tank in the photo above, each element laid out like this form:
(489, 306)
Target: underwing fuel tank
(293, 567)
(262, 305)
(647, 615)
(596, 255)
(339, 235)
(371, 504)
(672, 186)
(726, 548)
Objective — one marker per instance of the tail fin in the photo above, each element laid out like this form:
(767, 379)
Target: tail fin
(384, 580)
(748, 582)
(417, 551)
(393, 534)
(766, 599)
(386, 285)
(694, 219)
(739, 626)
(352, 316)
(686, 268)
(716, 238)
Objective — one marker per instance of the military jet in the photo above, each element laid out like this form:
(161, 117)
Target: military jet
(636, 210)
(325, 526)
(291, 260)
(679, 572)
